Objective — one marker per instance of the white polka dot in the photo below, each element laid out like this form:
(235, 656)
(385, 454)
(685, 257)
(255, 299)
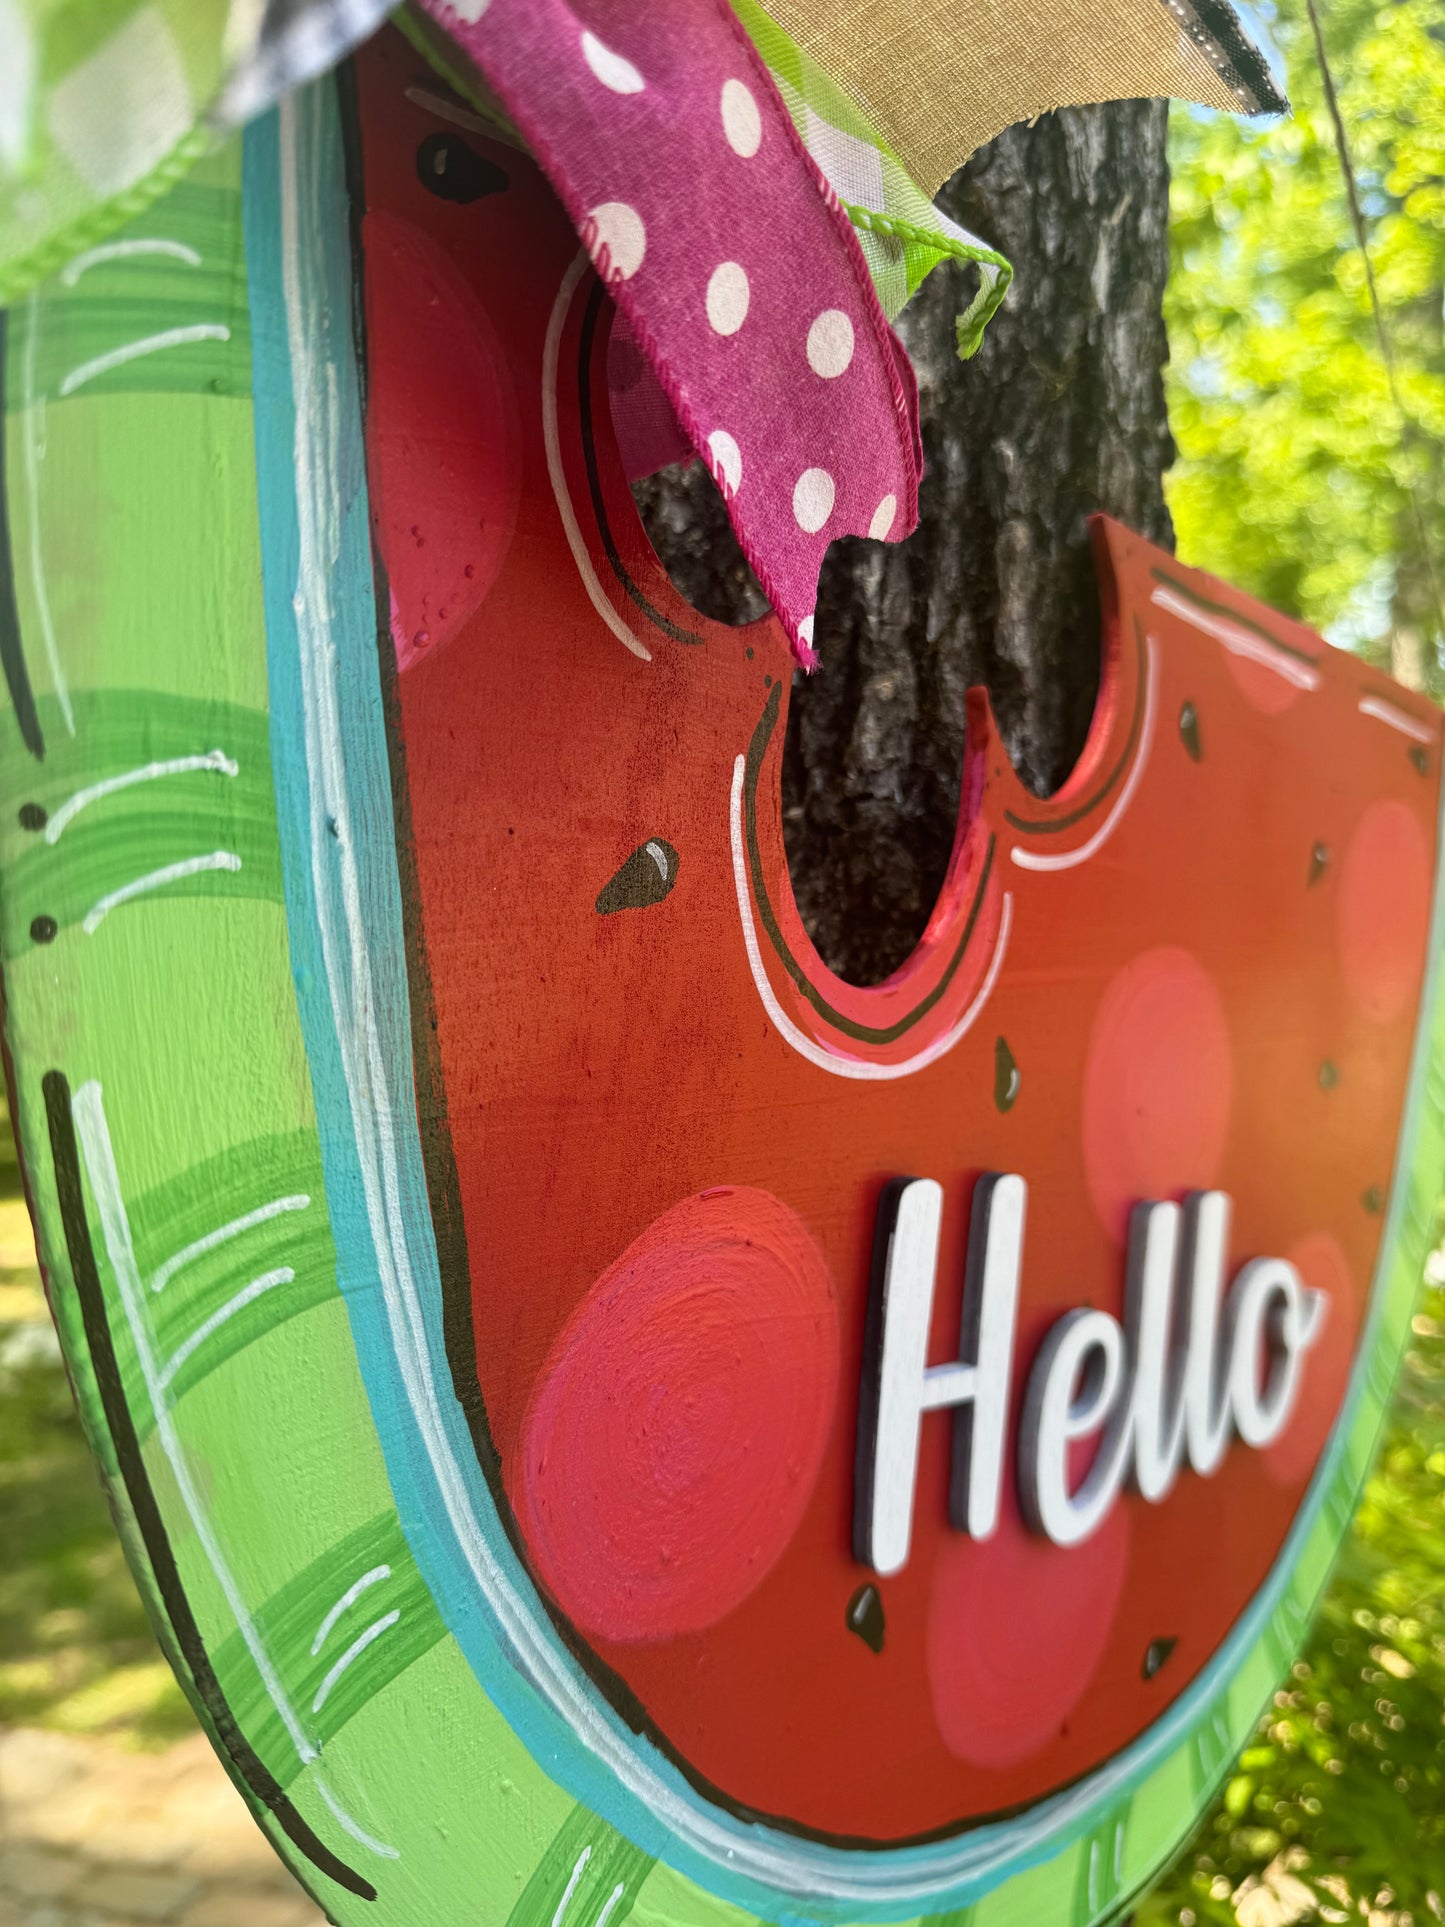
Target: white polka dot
(728, 295)
(883, 518)
(830, 343)
(727, 460)
(742, 123)
(813, 499)
(618, 229)
(611, 69)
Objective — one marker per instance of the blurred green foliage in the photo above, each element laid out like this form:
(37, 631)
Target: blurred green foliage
(76, 1650)
(1341, 1797)
(1298, 479)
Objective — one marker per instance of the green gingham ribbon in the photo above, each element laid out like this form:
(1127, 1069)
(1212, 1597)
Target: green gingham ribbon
(902, 234)
(101, 110)
(105, 104)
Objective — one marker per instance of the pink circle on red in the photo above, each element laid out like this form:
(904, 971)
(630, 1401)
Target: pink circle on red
(1158, 1085)
(1321, 1262)
(1016, 1629)
(672, 1441)
(1382, 909)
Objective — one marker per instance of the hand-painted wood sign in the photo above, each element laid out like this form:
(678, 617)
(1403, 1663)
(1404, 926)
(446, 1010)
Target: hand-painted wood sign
(612, 1421)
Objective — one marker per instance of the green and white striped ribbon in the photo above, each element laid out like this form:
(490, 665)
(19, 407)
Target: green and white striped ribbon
(902, 234)
(104, 104)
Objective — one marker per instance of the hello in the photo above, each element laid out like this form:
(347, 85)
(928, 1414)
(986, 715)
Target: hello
(1188, 1369)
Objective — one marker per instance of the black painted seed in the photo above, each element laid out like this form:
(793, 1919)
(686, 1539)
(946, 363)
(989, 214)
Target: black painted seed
(1006, 1076)
(43, 930)
(1155, 1655)
(865, 1617)
(1329, 1075)
(1189, 731)
(33, 816)
(644, 879)
(1319, 862)
(1420, 758)
(1373, 1199)
(447, 167)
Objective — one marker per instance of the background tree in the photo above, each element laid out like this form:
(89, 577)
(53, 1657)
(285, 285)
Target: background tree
(1298, 478)
(1060, 413)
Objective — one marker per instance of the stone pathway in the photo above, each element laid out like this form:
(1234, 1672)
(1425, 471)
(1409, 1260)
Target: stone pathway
(91, 1836)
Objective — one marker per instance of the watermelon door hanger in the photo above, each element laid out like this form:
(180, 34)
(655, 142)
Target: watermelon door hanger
(612, 1421)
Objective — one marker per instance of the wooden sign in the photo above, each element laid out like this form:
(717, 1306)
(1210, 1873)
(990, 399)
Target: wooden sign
(612, 1421)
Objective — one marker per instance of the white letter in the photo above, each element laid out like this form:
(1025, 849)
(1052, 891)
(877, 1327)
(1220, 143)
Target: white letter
(1206, 1391)
(1275, 1321)
(898, 1385)
(1157, 1348)
(1072, 1389)
(990, 1309)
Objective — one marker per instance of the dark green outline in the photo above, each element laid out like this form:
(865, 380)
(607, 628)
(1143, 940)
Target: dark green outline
(1223, 609)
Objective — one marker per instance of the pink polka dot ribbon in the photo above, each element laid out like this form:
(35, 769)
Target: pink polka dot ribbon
(731, 259)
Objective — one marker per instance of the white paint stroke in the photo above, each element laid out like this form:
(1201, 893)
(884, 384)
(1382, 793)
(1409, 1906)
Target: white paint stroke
(125, 250)
(33, 408)
(213, 759)
(348, 1599)
(157, 880)
(299, 1201)
(612, 1900)
(551, 350)
(1238, 641)
(655, 851)
(566, 1901)
(248, 1295)
(1071, 859)
(353, 1653)
(1394, 718)
(93, 1133)
(432, 103)
(137, 350)
(855, 1067)
(344, 1820)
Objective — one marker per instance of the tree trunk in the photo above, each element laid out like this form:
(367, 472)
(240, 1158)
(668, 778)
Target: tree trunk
(1060, 413)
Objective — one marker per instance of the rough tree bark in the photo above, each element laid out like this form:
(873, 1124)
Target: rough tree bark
(1061, 413)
